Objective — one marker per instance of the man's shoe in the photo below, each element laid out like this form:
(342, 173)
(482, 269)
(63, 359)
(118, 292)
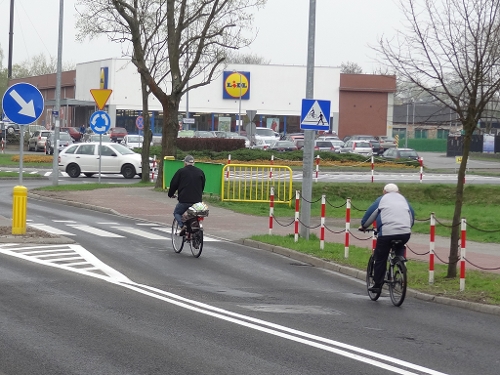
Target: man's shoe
(375, 288)
(183, 231)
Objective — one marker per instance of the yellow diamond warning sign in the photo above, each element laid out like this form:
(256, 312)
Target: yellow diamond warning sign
(101, 97)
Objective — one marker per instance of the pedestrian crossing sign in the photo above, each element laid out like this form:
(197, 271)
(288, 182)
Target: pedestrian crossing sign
(315, 114)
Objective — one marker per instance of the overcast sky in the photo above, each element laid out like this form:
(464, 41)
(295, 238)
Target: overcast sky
(344, 31)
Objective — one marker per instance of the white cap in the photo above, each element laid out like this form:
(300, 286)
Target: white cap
(391, 188)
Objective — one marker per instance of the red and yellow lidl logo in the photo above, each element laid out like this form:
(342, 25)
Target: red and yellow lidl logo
(236, 85)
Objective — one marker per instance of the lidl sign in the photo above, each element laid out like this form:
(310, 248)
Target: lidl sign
(236, 85)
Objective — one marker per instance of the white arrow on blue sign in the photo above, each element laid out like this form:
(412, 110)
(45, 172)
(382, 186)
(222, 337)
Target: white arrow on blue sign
(23, 103)
(100, 122)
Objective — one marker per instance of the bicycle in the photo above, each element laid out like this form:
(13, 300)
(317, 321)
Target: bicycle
(396, 277)
(193, 234)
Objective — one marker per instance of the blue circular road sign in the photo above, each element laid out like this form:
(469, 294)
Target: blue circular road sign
(23, 103)
(100, 122)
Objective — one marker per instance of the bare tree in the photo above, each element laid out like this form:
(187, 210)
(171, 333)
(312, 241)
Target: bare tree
(38, 65)
(177, 45)
(350, 68)
(450, 50)
(237, 58)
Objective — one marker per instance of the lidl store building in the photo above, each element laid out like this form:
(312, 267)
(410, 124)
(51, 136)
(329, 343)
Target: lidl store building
(360, 103)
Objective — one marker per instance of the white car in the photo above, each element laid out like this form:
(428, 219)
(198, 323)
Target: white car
(357, 147)
(265, 134)
(132, 141)
(115, 158)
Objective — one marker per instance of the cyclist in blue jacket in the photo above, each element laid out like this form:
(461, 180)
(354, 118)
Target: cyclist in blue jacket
(394, 217)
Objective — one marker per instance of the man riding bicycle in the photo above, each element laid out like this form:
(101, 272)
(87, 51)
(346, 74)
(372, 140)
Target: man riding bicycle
(394, 217)
(189, 182)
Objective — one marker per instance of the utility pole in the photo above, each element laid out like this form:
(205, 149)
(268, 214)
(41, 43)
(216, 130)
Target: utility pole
(308, 150)
(11, 40)
(55, 164)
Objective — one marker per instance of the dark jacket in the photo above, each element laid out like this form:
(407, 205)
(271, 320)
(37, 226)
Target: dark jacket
(189, 182)
(393, 214)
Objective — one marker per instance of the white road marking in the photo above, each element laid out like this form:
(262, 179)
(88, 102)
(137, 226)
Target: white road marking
(50, 229)
(141, 233)
(169, 231)
(95, 231)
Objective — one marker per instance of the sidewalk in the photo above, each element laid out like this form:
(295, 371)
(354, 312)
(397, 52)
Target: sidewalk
(149, 205)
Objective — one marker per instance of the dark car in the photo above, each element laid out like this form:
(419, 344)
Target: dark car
(400, 153)
(73, 132)
(376, 147)
(282, 146)
(117, 134)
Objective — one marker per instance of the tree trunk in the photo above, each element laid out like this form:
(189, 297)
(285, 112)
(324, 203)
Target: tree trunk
(454, 255)
(169, 133)
(148, 135)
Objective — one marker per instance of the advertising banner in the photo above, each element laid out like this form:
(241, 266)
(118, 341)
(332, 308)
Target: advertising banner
(224, 124)
(273, 123)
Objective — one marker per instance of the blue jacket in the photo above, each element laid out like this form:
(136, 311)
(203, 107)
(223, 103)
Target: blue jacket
(393, 214)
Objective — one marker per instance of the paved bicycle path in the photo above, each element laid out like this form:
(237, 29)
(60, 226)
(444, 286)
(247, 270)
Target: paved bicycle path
(147, 204)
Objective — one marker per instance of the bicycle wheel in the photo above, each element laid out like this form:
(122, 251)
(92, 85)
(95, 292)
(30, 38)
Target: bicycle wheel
(196, 243)
(397, 287)
(369, 280)
(177, 241)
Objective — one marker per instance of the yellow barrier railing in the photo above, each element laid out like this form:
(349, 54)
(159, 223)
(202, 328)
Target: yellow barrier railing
(252, 183)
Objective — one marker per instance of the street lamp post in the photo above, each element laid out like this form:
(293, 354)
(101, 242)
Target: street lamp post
(239, 110)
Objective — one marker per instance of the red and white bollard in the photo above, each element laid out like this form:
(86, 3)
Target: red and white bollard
(347, 227)
(421, 161)
(271, 210)
(153, 169)
(228, 162)
(462, 254)
(297, 205)
(3, 145)
(432, 248)
(317, 167)
(322, 225)
(271, 169)
(373, 166)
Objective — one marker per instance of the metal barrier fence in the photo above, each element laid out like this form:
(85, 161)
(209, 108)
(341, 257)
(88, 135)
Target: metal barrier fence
(252, 183)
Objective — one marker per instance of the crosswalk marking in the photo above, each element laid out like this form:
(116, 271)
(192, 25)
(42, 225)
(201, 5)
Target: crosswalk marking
(49, 229)
(95, 231)
(140, 232)
(169, 231)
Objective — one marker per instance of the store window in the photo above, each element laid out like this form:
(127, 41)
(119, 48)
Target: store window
(443, 133)
(421, 133)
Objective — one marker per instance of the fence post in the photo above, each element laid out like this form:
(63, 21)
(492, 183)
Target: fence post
(271, 169)
(431, 248)
(373, 166)
(462, 254)
(322, 227)
(297, 205)
(271, 210)
(317, 167)
(228, 162)
(347, 227)
(421, 161)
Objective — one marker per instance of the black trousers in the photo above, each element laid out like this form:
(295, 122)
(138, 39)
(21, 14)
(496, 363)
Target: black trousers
(381, 254)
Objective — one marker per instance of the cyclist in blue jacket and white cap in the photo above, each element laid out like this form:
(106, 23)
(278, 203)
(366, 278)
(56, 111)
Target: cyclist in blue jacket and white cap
(394, 217)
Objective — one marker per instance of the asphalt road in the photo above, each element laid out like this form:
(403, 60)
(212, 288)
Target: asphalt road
(120, 301)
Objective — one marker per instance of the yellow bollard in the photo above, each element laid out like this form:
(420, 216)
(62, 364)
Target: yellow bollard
(19, 208)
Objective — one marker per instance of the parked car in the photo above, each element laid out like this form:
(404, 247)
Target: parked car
(297, 138)
(97, 138)
(115, 158)
(376, 147)
(204, 134)
(185, 134)
(117, 134)
(332, 145)
(386, 142)
(234, 135)
(282, 146)
(73, 132)
(64, 141)
(357, 147)
(133, 141)
(37, 141)
(265, 134)
(262, 144)
(9, 127)
(400, 153)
